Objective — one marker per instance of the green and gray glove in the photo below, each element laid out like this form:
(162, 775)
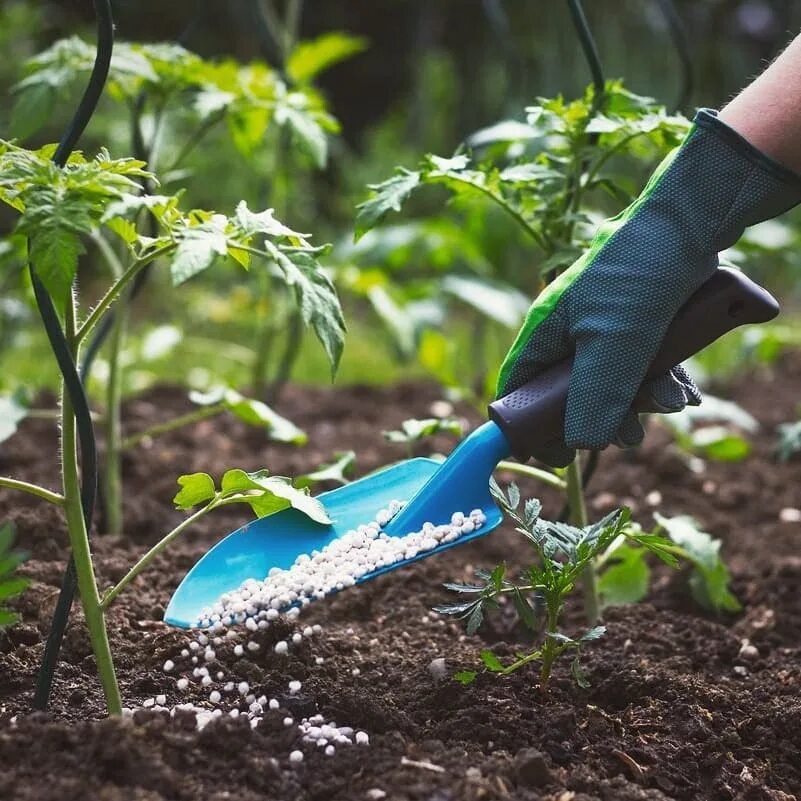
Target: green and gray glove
(612, 307)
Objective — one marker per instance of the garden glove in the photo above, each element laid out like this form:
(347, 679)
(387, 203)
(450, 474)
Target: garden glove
(613, 306)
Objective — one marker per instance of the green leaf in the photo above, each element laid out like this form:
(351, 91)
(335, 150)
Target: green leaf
(196, 488)
(10, 588)
(306, 131)
(594, 633)
(524, 610)
(627, 577)
(491, 661)
(577, 671)
(710, 579)
(499, 301)
(255, 413)
(465, 677)
(387, 196)
(197, 249)
(8, 618)
(273, 494)
(32, 108)
(308, 59)
(12, 412)
(316, 298)
(496, 577)
(789, 442)
(413, 430)
(474, 620)
(262, 222)
(335, 471)
(720, 444)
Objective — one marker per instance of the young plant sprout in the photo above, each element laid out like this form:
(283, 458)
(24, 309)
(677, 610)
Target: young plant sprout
(562, 552)
(11, 585)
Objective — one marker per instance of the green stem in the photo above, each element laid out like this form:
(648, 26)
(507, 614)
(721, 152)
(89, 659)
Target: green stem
(110, 595)
(578, 518)
(202, 413)
(292, 343)
(32, 489)
(543, 476)
(115, 289)
(113, 466)
(193, 141)
(550, 649)
(79, 540)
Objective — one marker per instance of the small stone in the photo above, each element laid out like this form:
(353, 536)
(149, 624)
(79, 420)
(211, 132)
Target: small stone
(740, 670)
(604, 500)
(437, 669)
(473, 774)
(790, 515)
(375, 794)
(296, 757)
(748, 652)
(531, 768)
(654, 498)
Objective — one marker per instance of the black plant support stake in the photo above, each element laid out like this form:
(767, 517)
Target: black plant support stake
(73, 384)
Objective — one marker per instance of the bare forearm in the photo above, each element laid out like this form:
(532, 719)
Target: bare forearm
(768, 111)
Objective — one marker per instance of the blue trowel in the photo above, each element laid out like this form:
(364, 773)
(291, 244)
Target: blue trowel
(520, 424)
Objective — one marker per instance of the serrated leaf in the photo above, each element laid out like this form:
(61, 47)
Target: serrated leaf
(316, 297)
(475, 620)
(306, 131)
(310, 58)
(196, 488)
(465, 677)
(491, 661)
(387, 196)
(524, 611)
(262, 222)
(594, 633)
(197, 249)
(579, 676)
(496, 577)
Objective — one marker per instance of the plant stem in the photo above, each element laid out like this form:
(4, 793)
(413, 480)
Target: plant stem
(32, 489)
(543, 476)
(292, 343)
(79, 539)
(202, 413)
(115, 289)
(550, 648)
(578, 518)
(113, 467)
(144, 561)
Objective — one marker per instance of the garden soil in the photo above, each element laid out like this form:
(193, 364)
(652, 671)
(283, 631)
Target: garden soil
(674, 710)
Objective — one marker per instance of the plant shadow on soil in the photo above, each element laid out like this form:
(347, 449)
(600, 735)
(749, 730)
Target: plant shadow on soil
(666, 716)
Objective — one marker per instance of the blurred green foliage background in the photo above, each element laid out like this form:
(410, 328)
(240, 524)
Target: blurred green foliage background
(431, 74)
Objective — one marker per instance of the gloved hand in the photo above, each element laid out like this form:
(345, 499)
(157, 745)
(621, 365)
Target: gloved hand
(613, 306)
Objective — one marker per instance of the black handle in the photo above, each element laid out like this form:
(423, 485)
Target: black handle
(532, 416)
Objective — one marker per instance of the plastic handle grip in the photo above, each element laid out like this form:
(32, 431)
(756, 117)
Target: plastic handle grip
(532, 416)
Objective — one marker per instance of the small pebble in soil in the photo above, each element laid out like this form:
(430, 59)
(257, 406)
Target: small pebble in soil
(296, 757)
(437, 669)
(362, 738)
(294, 687)
(169, 666)
(375, 794)
(288, 721)
(274, 703)
(748, 652)
(790, 515)
(355, 672)
(740, 670)
(281, 647)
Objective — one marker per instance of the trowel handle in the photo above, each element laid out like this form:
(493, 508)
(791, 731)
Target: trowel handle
(533, 415)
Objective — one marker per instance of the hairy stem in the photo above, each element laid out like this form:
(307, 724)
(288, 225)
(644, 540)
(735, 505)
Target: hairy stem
(144, 561)
(79, 540)
(202, 413)
(115, 290)
(32, 489)
(113, 466)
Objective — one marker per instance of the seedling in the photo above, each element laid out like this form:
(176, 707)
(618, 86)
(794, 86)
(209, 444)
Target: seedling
(789, 442)
(562, 554)
(413, 431)
(11, 585)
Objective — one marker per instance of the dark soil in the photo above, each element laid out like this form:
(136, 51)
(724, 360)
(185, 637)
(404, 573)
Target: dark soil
(673, 711)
